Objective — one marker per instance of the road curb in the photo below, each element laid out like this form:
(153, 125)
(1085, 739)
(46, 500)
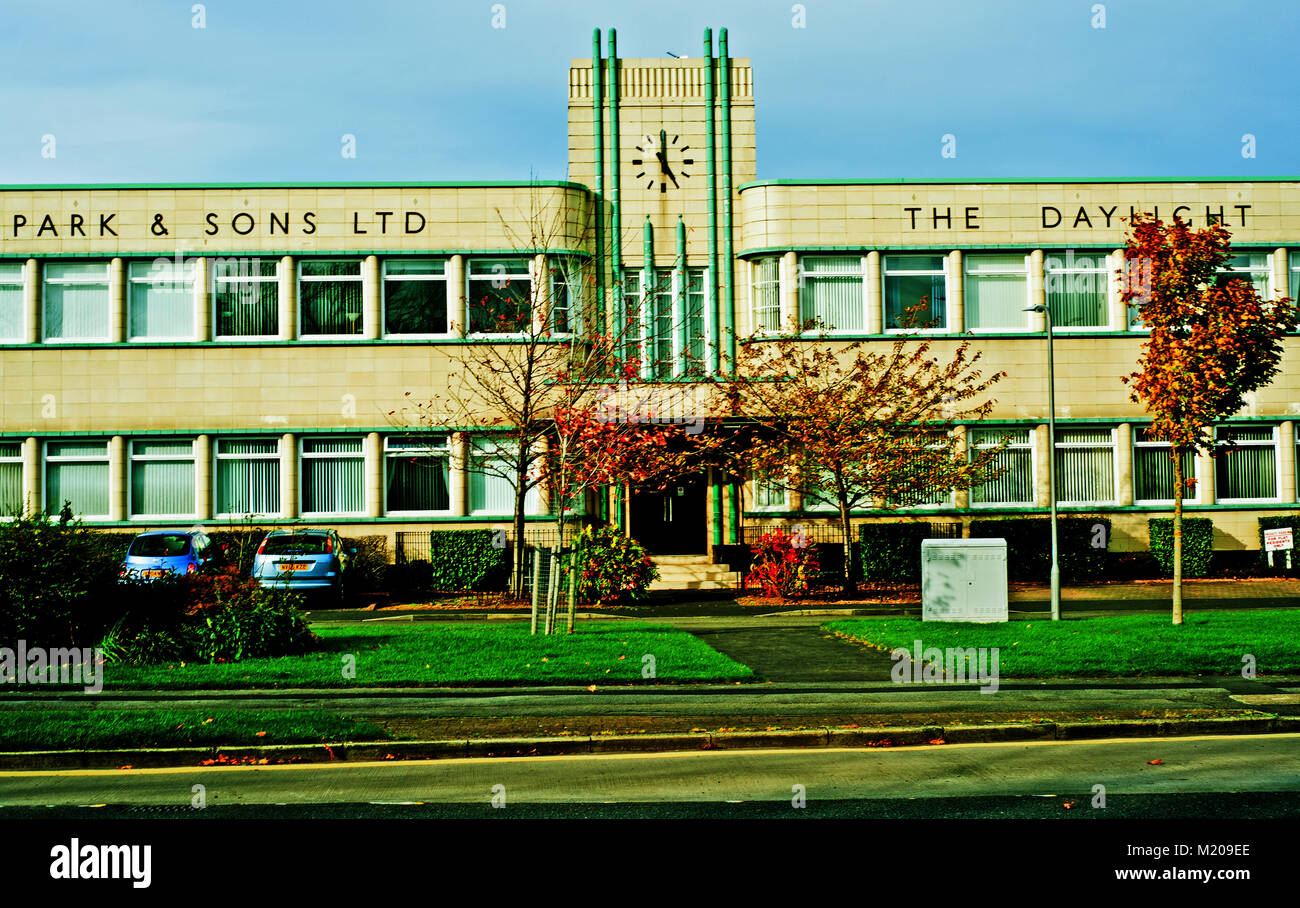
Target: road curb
(366, 752)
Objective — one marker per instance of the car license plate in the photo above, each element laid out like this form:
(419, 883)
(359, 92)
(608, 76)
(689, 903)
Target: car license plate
(151, 575)
(294, 566)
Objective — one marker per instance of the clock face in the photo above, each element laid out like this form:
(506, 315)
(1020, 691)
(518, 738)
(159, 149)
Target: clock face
(662, 159)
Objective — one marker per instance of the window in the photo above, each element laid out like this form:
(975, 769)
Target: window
(1085, 466)
(832, 291)
(248, 477)
(415, 297)
(329, 294)
(1295, 284)
(160, 302)
(916, 281)
(674, 345)
(162, 478)
(769, 494)
(567, 274)
(1255, 267)
(76, 301)
(1076, 284)
(11, 302)
(1016, 485)
(766, 289)
(246, 297)
(11, 478)
(1248, 473)
(492, 481)
(77, 472)
(500, 296)
(332, 471)
(997, 292)
(910, 496)
(1153, 469)
(417, 475)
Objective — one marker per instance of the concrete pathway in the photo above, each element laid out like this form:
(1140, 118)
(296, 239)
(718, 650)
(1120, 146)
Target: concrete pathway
(795, 652)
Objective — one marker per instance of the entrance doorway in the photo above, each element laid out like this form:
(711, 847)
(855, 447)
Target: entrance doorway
(672, 521)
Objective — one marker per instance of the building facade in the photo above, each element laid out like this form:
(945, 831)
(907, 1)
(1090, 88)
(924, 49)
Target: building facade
(172, 355)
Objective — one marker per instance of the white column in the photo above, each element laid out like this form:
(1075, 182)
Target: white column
(459, 484)
(1205, 485)
(33, 492)
(371, 302)
(789, 275)
(457, 305)
(1281, 274)
(373, 473)
(32, 302)
(288, 476)
(1124, 463)
(1286, 462)
(1115, 287)
(203, 330)
(875, 323)
(541, 293)
(1042, 481)
(117, 315)
(117, 468)
(956, 293)
(288, 298)
(203, 477)
(961, 497)
(1037, 291)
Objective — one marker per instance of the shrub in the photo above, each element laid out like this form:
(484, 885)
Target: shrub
(891, 552)
(58, 580)
(783, 565)
(1198, 544)
(612, 567)
(366, 568)
(240, 546)
(467, 560)
(1029, 546)
(214, 617)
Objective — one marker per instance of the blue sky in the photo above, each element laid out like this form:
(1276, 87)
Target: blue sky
(1029, 88)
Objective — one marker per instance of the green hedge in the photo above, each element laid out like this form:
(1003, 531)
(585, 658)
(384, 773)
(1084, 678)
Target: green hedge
(1273, 523)
(1198, 544)
(467, 560)
(1082, 543)
(891, 552)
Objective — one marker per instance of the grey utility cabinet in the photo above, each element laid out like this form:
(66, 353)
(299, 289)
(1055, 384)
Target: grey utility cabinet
(964, 580)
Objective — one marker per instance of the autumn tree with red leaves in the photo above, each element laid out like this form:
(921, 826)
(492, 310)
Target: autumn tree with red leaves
(858, 428)
(1212, 343)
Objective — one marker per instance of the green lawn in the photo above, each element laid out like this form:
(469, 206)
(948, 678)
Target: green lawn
(65, 729)
(404, 655)
(1211, 644)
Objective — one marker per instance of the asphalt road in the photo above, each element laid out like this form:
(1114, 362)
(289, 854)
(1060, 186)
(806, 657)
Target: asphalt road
(981, 779)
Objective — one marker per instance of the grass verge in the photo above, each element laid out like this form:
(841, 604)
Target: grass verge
(63, 729)
(419, 654)
(1127, 645)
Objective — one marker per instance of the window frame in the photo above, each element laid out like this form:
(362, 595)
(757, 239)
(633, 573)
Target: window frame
(9, 460)
(1068, 272)
(1198, 494)
(1018, 446)
(443, 453)
(481, 449)
(470, 278)
(1112, 446)
(189, 271)
(132, 459)
(967, 274)
(214, 280)
(755, 282)
(107, 336)
(304, 456)
(1274, 444)
(359, 279)
(886, 273)
(438, 277)
(218, 457)
(19, 281)
(106, 459)
(802, 277)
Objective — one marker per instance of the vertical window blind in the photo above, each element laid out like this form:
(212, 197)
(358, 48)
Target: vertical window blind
(832, 292)
(415, 297)
(162, 478)
(568, 277)
(160, 300)
(11, 301)
(492, 481)
(1153, 469)
(997, 292)
(417, 475)
(77, 472)
(1076, 284)
(1250, 470)
(1085, 466)
(76, 301)
(1255, 267)
(1016, 485)
(248, 476)
(11, 478)
(333, 474)
(246, 297)
(329, 294)
(915, 281)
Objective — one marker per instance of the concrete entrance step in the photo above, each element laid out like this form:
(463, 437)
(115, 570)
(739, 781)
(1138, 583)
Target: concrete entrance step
(693, 572)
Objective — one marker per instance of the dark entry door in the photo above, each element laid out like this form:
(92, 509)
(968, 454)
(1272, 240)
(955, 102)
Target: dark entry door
(672, 521)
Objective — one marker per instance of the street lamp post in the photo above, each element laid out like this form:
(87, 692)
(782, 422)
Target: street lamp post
(1051, 459)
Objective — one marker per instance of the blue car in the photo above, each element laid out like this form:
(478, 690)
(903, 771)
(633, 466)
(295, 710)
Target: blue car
(164, 553)
(306, 560)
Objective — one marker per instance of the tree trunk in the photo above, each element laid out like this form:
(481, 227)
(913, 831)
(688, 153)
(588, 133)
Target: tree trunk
(1178, 537)
(849, 583)
(521, 497)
